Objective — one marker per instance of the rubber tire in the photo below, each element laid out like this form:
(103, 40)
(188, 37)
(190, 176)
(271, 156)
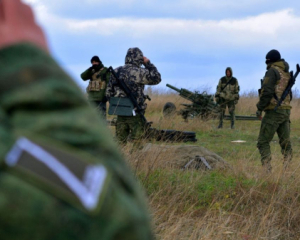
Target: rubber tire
(169, 109)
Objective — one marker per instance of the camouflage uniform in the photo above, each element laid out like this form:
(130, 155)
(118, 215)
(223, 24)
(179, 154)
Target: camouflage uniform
(135, 77)
(99, 78)
(274, 84)
(227, 96)
(61, 176)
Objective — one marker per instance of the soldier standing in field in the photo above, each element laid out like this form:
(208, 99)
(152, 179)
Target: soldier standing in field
(99, 78)
(274, 83)
(61, 176)
(227, 95)
(135, 77)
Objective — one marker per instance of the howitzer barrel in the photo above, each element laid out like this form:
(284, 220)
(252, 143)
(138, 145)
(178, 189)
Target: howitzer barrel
(174, 88)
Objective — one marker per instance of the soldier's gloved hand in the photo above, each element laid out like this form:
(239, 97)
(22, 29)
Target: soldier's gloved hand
(259, 114)
(17, 25)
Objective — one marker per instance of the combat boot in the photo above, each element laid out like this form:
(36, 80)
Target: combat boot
(266, 163)
(286, 161)
(220, 125)
(232, 124)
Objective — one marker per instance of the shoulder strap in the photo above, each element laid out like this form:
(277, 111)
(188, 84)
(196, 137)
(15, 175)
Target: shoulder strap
(226, 84)
(65, 175)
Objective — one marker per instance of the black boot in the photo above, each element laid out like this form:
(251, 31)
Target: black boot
(220, 125)
(232, 124)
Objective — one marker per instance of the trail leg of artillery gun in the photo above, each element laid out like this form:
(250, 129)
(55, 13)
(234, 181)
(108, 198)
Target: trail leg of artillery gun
(240, 117)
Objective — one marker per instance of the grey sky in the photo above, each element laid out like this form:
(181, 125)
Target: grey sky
(191, 42)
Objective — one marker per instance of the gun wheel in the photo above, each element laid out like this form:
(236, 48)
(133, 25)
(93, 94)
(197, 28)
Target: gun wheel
(169, 109)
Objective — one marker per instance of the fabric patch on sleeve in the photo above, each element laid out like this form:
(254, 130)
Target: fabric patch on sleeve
(72, 178)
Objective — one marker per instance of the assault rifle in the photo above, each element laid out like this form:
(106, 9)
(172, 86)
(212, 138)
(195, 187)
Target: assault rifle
(153, 133)
(289, 87)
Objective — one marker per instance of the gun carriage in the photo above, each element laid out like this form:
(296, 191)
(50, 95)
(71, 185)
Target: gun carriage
(202, 106)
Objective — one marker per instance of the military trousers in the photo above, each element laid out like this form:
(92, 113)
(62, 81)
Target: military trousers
(132, 127)
(275, 122)
(231, 108)
(100, 107)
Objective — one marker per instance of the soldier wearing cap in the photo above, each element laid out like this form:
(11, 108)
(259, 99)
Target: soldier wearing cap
(274, 83)
(99, 78)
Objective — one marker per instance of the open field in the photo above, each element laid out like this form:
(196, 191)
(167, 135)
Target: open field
(241, 202)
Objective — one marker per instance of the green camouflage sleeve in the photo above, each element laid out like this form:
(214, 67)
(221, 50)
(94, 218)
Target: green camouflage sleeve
(38, 100)
(219, 88)
(268, 89)
(237, 87)
(86, 75)
(6, 136)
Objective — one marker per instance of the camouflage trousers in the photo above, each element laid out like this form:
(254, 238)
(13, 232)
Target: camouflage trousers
(273, 122)
(132, 128)
(231, 108)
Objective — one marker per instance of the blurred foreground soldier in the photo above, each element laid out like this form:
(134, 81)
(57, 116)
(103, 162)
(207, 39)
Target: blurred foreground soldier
(60, 174)
(274, 83)
(227, 95)
(99, 78)
(135, 77)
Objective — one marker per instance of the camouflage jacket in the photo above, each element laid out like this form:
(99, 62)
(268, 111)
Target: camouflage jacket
(230, 91)
(61, 176)
(274, 83)
(134, 76)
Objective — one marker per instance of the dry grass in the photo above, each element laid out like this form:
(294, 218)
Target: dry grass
(238, 203)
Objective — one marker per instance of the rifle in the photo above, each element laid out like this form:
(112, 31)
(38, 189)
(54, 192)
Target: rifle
(153, 133)
(289, 87)
(261, 84)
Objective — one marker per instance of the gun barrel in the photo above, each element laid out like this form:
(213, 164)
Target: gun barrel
(172, 87)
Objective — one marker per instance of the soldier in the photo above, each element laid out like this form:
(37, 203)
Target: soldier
(99, 78)
(61, 176)
(227, 95)
(135, 77)
(274, 83)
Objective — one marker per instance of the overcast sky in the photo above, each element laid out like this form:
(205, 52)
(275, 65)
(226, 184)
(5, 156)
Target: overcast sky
(191, 42)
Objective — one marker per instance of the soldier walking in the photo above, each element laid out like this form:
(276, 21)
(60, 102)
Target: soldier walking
(227, 95)
(274, 84)
(99, 78)
(135, 77)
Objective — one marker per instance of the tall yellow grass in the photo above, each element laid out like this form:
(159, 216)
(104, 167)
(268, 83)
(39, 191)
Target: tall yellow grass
(266, 208)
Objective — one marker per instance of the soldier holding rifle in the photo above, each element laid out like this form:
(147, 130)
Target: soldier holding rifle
(135, 78)
(274, 99)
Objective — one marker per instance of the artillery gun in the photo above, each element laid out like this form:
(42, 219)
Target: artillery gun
(203, 106)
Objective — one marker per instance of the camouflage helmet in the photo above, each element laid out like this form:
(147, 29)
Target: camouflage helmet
(134, 56)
